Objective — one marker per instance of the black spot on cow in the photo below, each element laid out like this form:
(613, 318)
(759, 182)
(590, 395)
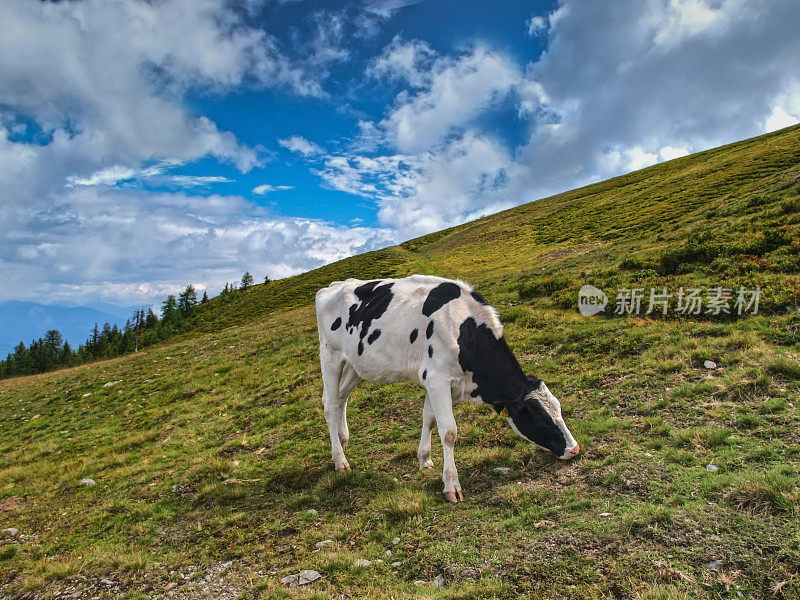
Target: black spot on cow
(412, 338)
(502, 383)
(425, 374)
(478, 297)
(430, 351)
(429, 330)
(360, 347)
(374, 299)
(351, 329)
(494, 367)
(439, 296)
(535, 423)
(336, 324)
(374, 336)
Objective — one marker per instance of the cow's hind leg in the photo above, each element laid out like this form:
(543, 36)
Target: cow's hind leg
(348, 382)
(442, 404)
(332, 364)
(424, 452)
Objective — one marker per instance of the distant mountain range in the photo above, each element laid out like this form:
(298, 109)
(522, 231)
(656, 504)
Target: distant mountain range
(26, 321)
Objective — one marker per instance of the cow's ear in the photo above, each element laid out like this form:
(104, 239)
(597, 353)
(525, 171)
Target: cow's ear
(533, 381)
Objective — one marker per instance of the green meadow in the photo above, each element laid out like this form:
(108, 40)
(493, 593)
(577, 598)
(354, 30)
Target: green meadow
(210, 454)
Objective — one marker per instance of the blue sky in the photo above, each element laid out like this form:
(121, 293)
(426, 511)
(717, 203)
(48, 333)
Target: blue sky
(145, 146)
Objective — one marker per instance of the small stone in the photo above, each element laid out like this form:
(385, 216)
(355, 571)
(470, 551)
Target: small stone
(87, 481)
(605, 514)
(438, 581)
(712, 468)
(362, 562)
(388, 553)
(289, 579)
(396, 541)
(86, 394)
(306, 576)
(170, 586)
(396, 563)
(420, 582)
(709, 364)
(11, 531)
(502, 470)
(715, 565)
(323, 543)
(106, 582)
(313, 512)
(111, 383)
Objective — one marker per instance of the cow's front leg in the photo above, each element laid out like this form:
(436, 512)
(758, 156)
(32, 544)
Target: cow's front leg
(442, 404)
(424, 452)
(332, 364)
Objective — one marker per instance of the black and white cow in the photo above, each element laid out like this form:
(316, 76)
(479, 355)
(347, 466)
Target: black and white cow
(441, 335)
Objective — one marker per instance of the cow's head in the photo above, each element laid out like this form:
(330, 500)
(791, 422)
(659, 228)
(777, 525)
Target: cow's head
(537, 418)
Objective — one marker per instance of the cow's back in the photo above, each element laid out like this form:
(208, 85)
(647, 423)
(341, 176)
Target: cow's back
(397, 329)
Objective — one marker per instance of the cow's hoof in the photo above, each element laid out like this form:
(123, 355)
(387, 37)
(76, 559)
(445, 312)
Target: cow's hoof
(428, 464)
(344, 466)
(454, 496)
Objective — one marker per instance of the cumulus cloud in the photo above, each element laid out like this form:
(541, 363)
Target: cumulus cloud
(103, 238)
(103, 82)
(536, 25)
(91, 99)
(409, 61)
(457, 91)
(301, 145)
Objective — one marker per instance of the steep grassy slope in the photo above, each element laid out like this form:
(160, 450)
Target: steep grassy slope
(208, 452)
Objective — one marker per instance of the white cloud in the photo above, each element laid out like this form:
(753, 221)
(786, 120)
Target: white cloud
(190, 181)
(420, 193)
(410, 61)
(127, 237)
(683, 19)
(104, 81)
(266, 188)
(108, 176)
(385, 8)
(672, 152)
(301, 145)
(536, 25)
(779, 119)
(458, 90)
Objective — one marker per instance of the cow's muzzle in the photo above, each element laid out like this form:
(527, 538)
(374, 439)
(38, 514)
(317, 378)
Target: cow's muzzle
(571, 453)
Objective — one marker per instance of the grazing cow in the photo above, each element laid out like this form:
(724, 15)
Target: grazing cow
(441, 335)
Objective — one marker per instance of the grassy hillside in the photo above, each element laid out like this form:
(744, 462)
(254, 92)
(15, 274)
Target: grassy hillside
(208, 453)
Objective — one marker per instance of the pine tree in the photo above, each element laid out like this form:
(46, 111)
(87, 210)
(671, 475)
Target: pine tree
(205, 297)
(247, 280)
(136, 326)
(94, 341)
(51, 349)
(267, 279)
(170, 315)
(187, 300)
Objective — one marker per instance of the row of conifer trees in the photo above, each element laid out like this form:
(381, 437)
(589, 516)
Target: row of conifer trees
(142, 329)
